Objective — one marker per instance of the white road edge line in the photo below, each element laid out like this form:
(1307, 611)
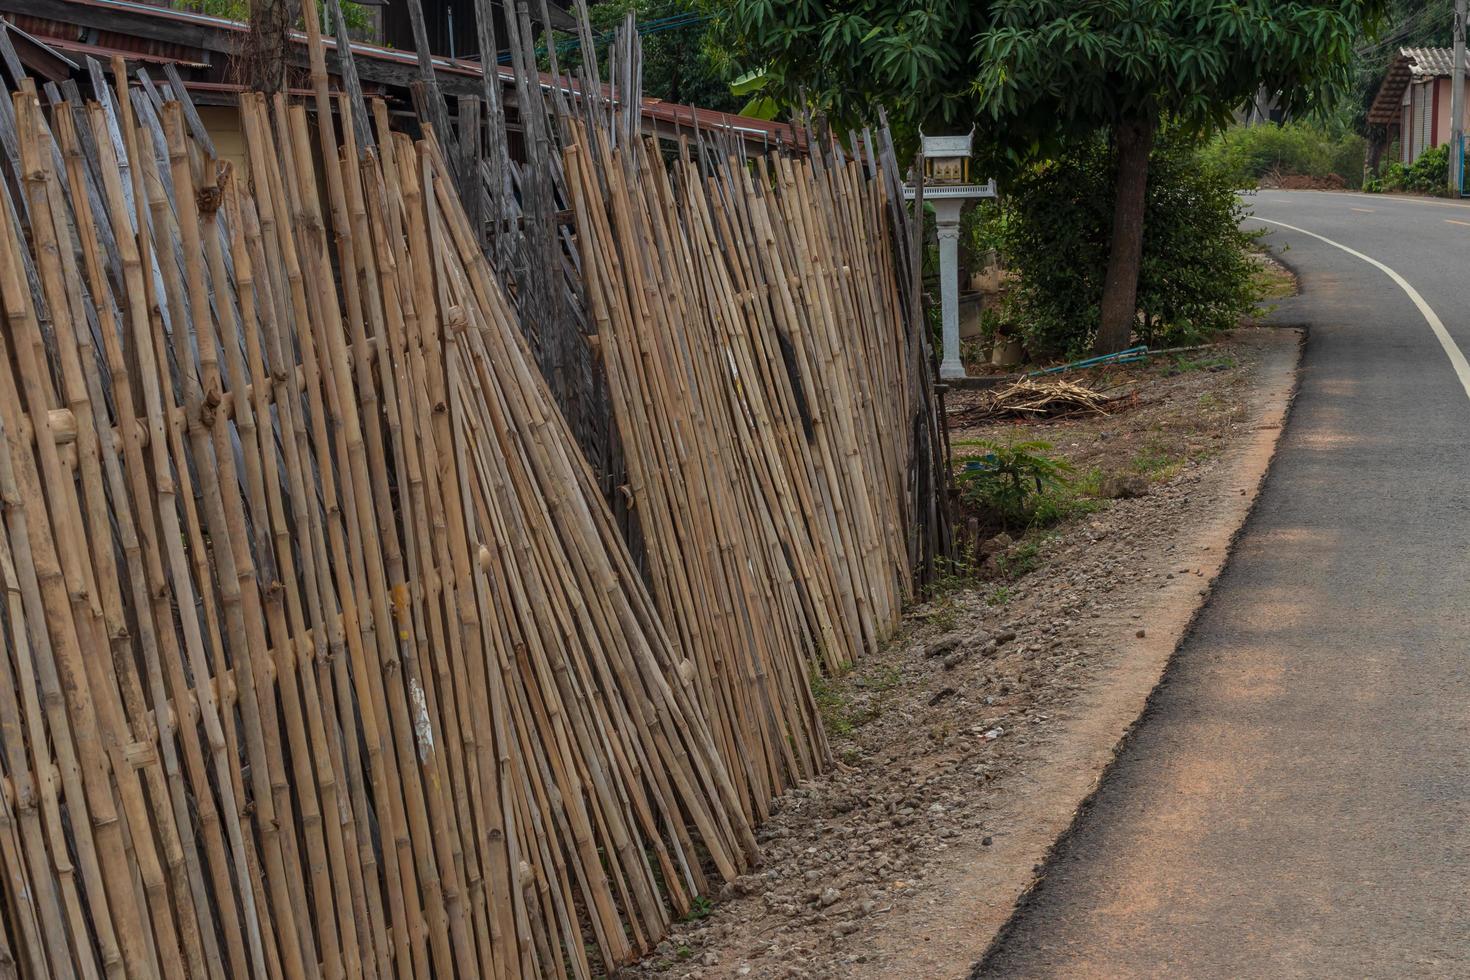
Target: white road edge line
(1451, 349)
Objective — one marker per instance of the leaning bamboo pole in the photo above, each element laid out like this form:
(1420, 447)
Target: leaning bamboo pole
(326, 656)
(751, 331)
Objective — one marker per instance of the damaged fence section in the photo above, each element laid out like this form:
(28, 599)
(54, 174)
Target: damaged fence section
(324, 653)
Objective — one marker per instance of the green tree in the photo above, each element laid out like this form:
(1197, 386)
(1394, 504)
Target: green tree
(1409, 24)
(1031, 71)
(1196, 275)
(681, 63)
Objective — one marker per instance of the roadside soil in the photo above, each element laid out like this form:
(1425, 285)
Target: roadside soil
(966, 744)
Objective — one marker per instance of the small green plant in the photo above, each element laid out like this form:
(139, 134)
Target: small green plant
(999, 596)
(1023, 559)
(952, 575)
(1061, 503)
(832, 706)
(1089, 482)
(1272, 282)
(1005, 485)
(841, 712)
(881, 680)
(943, 612)
(1156, 463)
(700, 908)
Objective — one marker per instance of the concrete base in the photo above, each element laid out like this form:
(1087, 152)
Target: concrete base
(952, 370)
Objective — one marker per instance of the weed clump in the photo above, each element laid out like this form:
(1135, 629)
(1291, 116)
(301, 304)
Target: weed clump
(1021, 485)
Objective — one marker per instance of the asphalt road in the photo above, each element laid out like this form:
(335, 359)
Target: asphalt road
(1296, 801)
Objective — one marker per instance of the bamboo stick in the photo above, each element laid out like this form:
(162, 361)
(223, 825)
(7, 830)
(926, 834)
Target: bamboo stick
(328, 655)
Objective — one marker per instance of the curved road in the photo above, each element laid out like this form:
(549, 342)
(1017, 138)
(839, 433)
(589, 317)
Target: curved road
(1296, 801)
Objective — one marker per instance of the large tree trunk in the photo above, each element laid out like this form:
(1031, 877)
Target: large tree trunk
(1120, 289)
(262, 65)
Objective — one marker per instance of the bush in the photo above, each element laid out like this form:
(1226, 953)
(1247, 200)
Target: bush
(1012, 482)
(1427, 175)
(1196, 278)
(1246, 154)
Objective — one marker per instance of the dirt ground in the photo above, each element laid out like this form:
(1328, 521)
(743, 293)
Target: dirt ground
(930, 731)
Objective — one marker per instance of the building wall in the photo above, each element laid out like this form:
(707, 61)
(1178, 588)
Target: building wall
(223, 124)
(463, 41)
(1426, 116)
(1446, 89)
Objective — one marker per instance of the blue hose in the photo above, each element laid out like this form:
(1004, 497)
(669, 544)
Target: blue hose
(1139, 353)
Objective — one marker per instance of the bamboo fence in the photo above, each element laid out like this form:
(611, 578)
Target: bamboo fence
(756, 352)
(324, 654)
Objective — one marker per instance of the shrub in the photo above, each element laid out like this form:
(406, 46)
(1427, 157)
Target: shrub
(1427, 175)
(1006, 486)
(1246, 154)
(983, 228)
(1196, 278)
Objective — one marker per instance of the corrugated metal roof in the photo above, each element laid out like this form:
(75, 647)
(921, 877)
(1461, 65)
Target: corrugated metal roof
(104, 53)
(1409, 65)
(1431, 62)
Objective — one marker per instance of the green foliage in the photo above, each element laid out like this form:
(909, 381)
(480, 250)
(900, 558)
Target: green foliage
(1036, 73)
(840, 712)
(1023, 559)
(1060, 504)
(831, 705)
(359, 20)
(1196, 276)
(850, 56)
(983, 227)
(1427, 175)
(1006, 484)
(756, 85)
(1410, 24)
(1042, 68)
(1156, 461)
(1098, 63)
(700, 908)
(1248, 153)
(684, 64)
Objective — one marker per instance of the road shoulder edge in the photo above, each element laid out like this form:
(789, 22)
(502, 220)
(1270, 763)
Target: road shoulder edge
(1113, 716)
(970, 906)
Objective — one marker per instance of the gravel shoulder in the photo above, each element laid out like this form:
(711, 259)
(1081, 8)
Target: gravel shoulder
(967, 745)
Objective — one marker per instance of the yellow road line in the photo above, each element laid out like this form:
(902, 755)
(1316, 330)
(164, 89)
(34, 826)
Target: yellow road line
(1452, 221)
(1363, 210)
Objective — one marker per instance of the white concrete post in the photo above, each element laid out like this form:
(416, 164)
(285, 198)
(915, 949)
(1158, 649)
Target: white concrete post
(947, 222)
(948, 201)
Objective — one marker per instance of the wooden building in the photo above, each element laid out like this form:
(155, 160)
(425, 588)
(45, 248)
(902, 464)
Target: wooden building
(1413, 103)
(53, 38)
